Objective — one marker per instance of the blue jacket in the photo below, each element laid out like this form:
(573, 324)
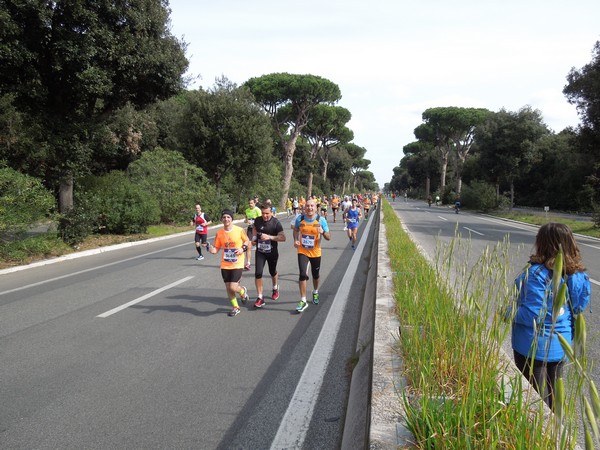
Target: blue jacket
(534, 306)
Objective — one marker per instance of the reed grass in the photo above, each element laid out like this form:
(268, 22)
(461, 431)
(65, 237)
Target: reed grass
(453, 321)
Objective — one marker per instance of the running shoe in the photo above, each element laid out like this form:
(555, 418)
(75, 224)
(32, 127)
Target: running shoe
(259, 302)
(207, 246)
(200, 258)
(345, 228)
(275, 294)
(353, 247)
(247, 266)
(234, 312)
(244, 297)
(301, 306)
(316, 298)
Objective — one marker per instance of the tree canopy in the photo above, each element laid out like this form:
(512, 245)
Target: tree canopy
(453, 128)
(67, 65)
(289, 99)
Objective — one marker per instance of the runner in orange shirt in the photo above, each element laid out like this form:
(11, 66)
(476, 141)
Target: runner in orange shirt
(335, 204)
(366, 204)
(234, 242)
(308, 229)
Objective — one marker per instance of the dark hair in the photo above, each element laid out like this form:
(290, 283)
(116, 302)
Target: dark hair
(267, 204)
(549, 239)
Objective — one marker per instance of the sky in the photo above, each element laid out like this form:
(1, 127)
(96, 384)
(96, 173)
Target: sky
(393, 59)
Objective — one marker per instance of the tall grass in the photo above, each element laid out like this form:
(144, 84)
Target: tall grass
(461, 393)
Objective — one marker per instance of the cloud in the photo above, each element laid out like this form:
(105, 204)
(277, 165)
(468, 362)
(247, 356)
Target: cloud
(393, 60)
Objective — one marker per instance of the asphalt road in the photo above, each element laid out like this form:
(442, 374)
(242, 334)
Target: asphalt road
(434, 226)
(133, 348)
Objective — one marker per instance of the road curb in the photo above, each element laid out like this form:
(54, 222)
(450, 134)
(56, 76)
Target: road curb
(388, 429)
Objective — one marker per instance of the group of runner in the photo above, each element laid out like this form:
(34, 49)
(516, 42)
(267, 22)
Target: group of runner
(295, 204)
(264, 231)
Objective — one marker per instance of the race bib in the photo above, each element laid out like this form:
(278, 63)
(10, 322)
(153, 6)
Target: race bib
(199, 228)
(308, 241)
(229, 255)
(351, 220)
(264, 246)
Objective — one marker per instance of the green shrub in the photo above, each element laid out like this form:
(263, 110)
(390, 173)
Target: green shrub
(479, 196)
(79, 222)
(23, 201)
(176, 185)
(121, 206)
(448, 196)
(42, 245)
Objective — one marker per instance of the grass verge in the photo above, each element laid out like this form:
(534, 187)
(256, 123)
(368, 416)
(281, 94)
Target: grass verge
(49, 245)
(586, 228)
(458, 393)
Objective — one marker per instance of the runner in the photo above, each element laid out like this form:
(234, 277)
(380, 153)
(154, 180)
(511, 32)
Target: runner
(301, 203)
(288, 206)
(268, 231)
(346, 204)
(201, 221)
(353, 216)
(366, 206)
(295, 206)
(307, 239)
(335, 204)
(324, 207)
(252, 212)
(234, 243)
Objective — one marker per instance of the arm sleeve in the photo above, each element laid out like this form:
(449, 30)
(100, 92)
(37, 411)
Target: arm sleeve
(278, 228)
(580, 291)
(530, 304)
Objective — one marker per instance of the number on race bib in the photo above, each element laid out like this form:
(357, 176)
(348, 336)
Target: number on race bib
(264, 246)
(308, 241)
(229, 255)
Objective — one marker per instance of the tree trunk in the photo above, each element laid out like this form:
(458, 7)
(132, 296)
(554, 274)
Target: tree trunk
(444, 169)
(325, 164)
(512, 195)
(65, 193)
(289, 149)
(497, 191)
(309, 184)
(427, 186)
(443, 174)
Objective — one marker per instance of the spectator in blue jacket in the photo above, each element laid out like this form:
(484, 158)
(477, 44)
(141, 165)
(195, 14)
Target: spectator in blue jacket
(537, 351)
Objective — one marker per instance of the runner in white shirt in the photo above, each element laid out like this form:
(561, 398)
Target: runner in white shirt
(346, 204)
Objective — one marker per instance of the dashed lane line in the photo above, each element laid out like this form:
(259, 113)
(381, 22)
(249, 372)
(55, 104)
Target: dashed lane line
(142, 298)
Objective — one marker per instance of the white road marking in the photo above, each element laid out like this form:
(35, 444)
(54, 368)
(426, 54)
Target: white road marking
(473, 231)
(142, 298)
(443, 218)
(597, 283)
(507, 223)
(591, 246)
(292, 429)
